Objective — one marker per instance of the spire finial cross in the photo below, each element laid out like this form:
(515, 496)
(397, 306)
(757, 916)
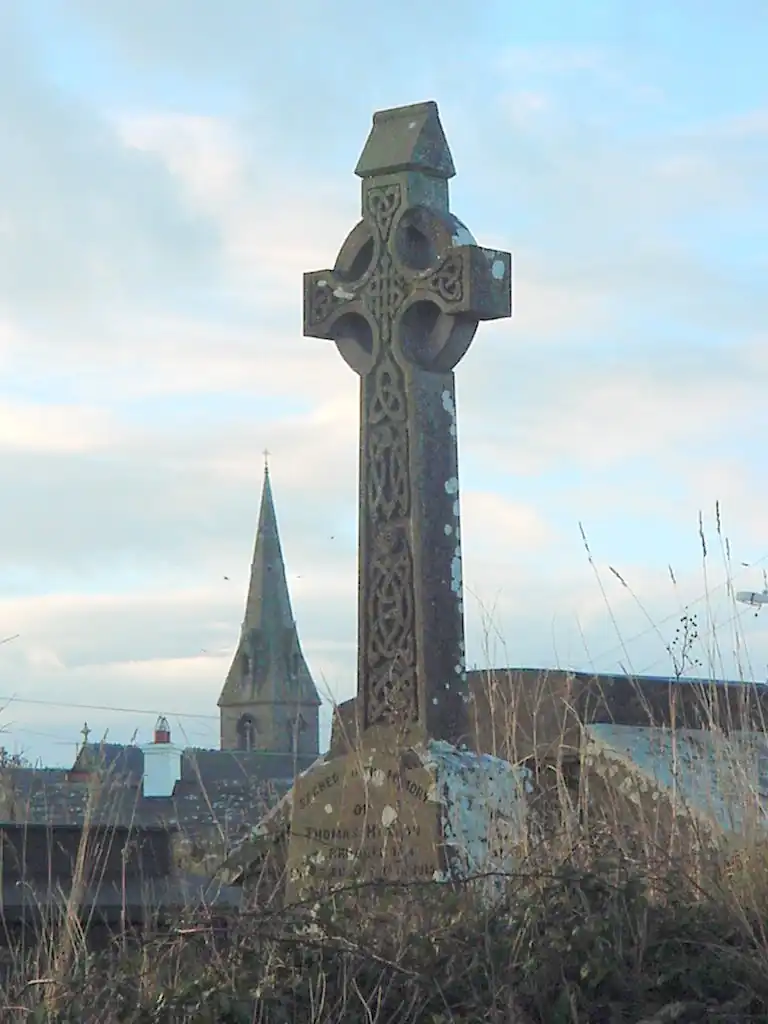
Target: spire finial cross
(266, 453)
(85, 732)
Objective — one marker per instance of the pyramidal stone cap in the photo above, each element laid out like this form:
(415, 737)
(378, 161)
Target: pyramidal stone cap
(407, 139)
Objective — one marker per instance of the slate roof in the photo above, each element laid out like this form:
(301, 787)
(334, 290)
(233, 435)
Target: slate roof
(120, 758)
(612, 677)
(227, 790)
(197, 764)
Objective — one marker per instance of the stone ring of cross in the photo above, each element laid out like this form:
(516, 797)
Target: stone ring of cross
(406, 279)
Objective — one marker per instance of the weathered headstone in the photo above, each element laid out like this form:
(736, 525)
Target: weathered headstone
(712, 784)
(402, 304)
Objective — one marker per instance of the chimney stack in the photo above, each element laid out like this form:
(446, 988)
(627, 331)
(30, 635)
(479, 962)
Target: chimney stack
(162, 762)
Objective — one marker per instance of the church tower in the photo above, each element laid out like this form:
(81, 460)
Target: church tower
(269, 702)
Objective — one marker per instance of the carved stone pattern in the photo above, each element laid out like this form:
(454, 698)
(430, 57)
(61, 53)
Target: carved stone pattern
(384, 293)
(391, 648)
(388, 493)
(322, 301)
(390, 645)
(448, 281)
(382, 203)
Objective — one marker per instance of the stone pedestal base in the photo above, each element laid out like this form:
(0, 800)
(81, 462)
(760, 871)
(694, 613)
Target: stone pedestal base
(426, 812)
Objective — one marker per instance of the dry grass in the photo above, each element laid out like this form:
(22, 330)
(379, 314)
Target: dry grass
(608, 919)
(592, 935)
(631, 905)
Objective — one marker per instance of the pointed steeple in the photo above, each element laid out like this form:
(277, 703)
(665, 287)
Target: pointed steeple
(268, 604)
(269, 701)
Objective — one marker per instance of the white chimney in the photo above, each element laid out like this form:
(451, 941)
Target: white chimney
(162, 762)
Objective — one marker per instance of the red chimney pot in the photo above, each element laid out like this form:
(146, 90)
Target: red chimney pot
(162, 730)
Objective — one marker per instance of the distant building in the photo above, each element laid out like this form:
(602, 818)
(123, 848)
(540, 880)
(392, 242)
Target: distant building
(269, 724)
(155, 784)
(269, 702)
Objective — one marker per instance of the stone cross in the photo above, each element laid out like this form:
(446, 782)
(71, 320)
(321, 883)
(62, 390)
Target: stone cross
(85, 732)
(402, 304)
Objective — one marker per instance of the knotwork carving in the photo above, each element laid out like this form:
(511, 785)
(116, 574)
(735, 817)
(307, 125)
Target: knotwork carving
(387, 479)
(384, 294)
(391, 648)
(321, 301)
(387, 448)
(448, 281)
(391, 644)
(383, 203)
(388, 398)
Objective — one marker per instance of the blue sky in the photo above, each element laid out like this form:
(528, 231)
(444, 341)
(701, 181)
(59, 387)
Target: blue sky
(169, 171)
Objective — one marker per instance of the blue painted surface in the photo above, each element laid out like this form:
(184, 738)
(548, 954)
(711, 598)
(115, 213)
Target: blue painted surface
(721, 778)
(483, 813)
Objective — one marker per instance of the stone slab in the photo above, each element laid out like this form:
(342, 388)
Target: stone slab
(719, 779)
(425, 813)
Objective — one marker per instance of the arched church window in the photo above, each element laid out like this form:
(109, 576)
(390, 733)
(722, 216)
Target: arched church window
(247, 732)
(245, 665)
(296, 726)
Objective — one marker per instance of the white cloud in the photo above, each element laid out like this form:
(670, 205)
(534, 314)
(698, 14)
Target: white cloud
(554, 59)
(526, 106)
(621, 218)
(246, 336)
(615, 69)
(150, 340)
(203, 152)
(496, 520)
(27, 427)
(549, 311)
(87, 223)
(271, 226)
(10, 339)
(751, 126)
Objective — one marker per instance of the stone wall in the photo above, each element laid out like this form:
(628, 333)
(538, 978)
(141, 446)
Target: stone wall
(522, 714)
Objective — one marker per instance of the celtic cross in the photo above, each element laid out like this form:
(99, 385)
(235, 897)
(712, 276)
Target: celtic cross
(402, 304)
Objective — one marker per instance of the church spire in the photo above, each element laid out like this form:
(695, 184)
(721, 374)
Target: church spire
(269, 701)
(268, 605)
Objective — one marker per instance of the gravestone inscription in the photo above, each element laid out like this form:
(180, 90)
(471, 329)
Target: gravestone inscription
(367, 821)
(423, 813)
